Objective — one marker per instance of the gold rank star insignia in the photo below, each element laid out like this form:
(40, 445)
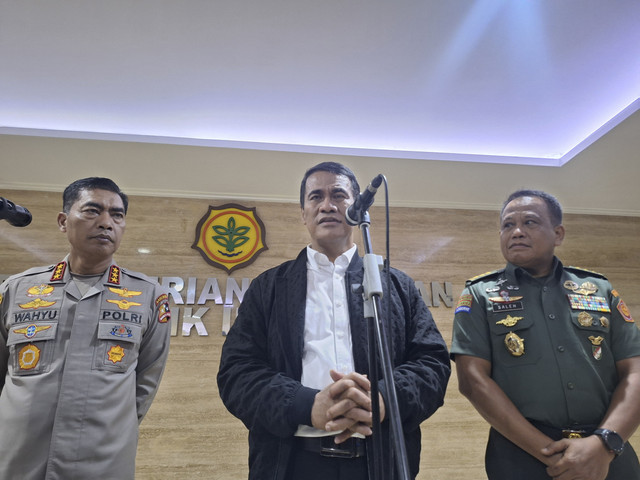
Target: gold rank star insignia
(509, 321)
(37, 303)
(514, 344)
(125, 292)
(124, 304)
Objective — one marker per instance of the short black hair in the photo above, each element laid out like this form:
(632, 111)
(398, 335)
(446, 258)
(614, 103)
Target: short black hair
(555, 210)
(332, 167)
(72, 192)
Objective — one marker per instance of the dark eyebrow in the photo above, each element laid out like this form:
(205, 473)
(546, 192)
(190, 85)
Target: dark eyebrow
(100, 207)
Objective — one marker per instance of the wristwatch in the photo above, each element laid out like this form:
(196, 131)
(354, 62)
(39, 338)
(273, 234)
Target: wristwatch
(611, 440)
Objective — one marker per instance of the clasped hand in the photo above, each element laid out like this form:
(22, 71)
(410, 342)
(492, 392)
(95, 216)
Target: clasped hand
(345, 406)
(582, 458)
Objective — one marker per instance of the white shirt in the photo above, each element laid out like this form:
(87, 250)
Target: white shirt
(327, 333)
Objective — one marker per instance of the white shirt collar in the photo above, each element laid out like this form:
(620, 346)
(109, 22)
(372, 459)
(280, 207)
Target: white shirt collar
(317, 260)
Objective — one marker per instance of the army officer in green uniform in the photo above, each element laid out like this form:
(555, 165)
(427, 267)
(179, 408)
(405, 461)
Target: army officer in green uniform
(549, 355)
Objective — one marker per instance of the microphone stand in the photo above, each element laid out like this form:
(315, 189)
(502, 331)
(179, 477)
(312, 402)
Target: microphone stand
(379, 355)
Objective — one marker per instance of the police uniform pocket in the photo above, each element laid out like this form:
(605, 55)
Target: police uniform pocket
(117, 346)
(513, 341)
(31, 347)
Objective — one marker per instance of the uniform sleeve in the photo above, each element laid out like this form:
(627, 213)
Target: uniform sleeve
(4, 351)
(625, 336)
(422, 375)
(471, 335)
(154, 350)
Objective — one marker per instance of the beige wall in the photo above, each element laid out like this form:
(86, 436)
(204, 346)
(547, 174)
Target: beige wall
(188, 434)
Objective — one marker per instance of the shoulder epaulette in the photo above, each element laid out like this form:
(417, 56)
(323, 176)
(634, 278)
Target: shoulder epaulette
(138, 275)
(484, 276)
(584, 270)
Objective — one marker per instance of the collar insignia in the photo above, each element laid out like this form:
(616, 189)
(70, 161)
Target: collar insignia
(58, 272)
(114, 275)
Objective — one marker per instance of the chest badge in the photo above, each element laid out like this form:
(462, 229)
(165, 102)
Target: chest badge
(32, 330)
(585, 319)
(596, 346)
(37, 303)
(115, 354)
(42, 290)
(509, 321)
(514, 344)
(504, 297)
(587, 288)
(124, 304)
(124, 292)
(28, 357)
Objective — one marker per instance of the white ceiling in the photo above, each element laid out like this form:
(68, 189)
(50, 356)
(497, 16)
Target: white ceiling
(507, 81)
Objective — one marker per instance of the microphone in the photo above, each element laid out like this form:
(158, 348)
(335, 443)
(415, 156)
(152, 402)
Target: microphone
(357, 209)
(14, 214)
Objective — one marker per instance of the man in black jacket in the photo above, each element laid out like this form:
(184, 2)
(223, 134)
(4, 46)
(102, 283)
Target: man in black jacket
(294, 366)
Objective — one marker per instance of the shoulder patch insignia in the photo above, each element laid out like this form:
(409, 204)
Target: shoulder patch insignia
(464, 303)
(162, 304)
(624, 311)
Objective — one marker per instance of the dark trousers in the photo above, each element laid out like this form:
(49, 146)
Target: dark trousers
(305, 465)
(506, 461)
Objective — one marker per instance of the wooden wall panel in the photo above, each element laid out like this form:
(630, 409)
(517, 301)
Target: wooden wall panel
(188, 434)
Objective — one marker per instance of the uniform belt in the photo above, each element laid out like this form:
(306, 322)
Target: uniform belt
(573, 431)
(327, 447)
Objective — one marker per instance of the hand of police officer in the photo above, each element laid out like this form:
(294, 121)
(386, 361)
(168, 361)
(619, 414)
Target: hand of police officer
(582, 459)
